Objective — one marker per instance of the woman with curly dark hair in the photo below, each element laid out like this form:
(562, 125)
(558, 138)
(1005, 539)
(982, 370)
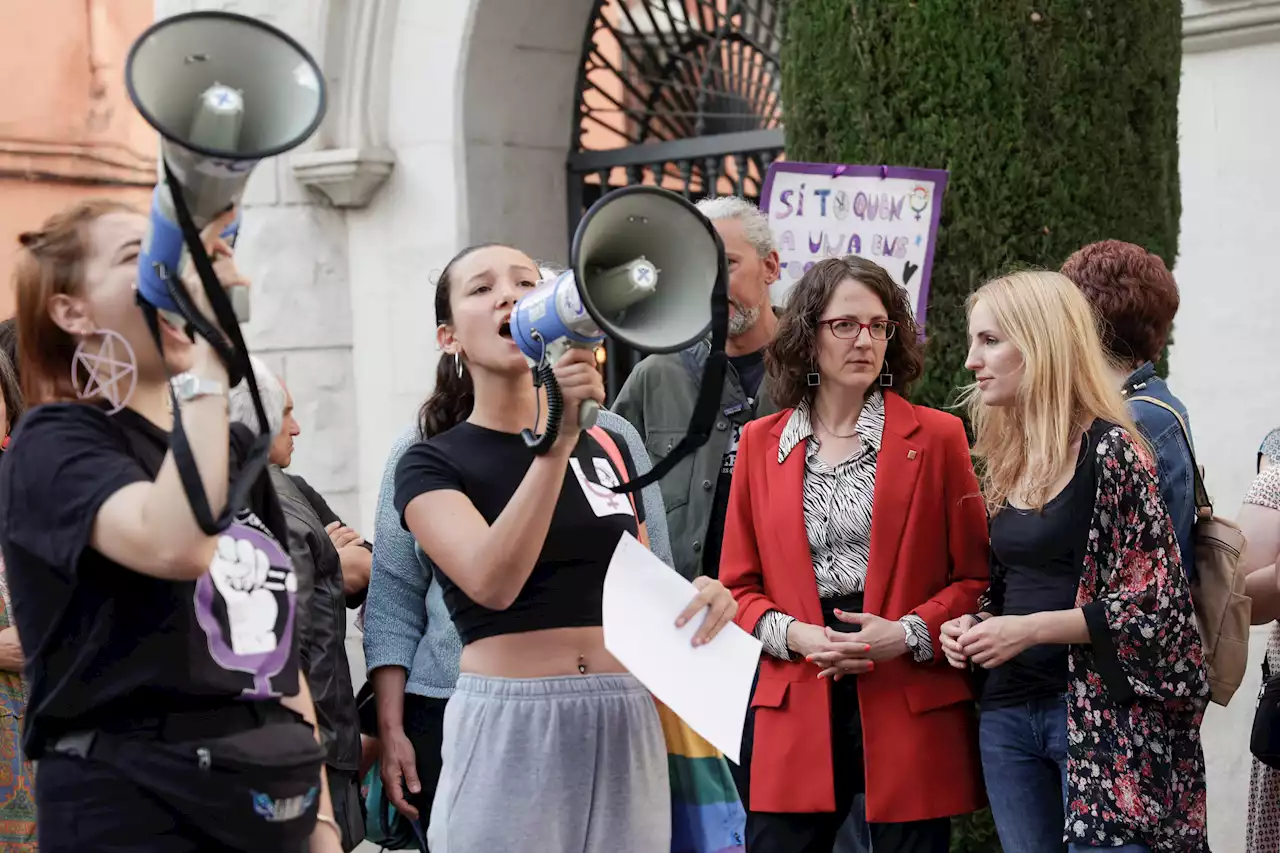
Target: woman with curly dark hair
(855, 530)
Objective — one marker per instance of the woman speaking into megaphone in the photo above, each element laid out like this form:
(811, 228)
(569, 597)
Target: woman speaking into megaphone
(549, 744)
(166, 709)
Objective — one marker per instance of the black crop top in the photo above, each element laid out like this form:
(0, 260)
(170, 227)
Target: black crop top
(567, 583)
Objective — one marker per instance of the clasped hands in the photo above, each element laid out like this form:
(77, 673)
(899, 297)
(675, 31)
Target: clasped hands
(987, 643)
(837, 654)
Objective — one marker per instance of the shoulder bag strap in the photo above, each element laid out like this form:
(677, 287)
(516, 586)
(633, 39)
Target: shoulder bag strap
(1204, 506)
(602, 437)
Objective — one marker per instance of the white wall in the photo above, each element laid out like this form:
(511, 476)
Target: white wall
(1226, 345)
(401, 241)
(1225, 338)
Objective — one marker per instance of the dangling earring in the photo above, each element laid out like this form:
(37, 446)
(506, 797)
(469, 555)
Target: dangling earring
(814, 379)
(457, 363)
(886, 378)
(109, 368)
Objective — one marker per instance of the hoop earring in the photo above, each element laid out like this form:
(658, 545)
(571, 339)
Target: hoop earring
(457, 363)
(886, 378)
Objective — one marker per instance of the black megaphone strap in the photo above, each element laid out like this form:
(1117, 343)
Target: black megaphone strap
(233, 354)
(706, 409)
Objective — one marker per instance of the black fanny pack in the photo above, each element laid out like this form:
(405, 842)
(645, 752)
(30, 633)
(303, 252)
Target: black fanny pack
(251, 783)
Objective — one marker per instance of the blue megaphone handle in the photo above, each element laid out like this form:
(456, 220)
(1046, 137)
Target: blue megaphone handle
(536, 322)
(162, 254)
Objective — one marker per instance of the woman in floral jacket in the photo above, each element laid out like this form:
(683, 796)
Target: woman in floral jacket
(1094, 682)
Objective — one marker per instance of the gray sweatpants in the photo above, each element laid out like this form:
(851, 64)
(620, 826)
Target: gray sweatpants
(573, 764)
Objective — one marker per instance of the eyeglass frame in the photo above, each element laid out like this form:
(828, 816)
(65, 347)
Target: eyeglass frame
(891, 328)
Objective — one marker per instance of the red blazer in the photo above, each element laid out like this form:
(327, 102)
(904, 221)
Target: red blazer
(929, 552)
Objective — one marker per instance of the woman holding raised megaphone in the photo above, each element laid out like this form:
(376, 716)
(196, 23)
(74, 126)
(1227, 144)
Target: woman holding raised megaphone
(166, 708)
(549, 744)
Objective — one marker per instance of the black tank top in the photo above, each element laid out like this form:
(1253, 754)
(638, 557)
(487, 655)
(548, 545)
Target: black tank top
(1036, 550)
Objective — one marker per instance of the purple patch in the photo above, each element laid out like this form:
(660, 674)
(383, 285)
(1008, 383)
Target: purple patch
(213, 612)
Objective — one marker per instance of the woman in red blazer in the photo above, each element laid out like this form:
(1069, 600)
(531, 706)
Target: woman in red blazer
(855, 530)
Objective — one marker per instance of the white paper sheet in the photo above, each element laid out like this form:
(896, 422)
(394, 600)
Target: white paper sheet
(709, 687)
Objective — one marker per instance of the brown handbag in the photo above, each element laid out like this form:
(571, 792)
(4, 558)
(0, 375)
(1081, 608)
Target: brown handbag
(1218, 592)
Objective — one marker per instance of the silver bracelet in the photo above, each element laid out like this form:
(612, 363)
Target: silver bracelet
(329, 821)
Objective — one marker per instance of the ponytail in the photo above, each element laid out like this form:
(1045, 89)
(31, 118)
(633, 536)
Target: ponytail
(450, 403)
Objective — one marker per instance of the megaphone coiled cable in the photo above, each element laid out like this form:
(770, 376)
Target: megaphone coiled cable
(544, 375)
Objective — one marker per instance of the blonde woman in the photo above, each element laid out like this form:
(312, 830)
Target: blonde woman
(1093, 674)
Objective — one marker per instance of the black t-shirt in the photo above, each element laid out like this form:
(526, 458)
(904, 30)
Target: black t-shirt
(105, 644)
(1041, 574)
(750, 368)
(567, 583)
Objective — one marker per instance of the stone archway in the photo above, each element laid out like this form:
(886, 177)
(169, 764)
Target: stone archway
(516, 99)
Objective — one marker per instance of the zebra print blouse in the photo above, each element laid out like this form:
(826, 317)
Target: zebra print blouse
(837, 519)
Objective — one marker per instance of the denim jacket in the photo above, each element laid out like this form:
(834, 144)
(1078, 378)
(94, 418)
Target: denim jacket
(1175, 460)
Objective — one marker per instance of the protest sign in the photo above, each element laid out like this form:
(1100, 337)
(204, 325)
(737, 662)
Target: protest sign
(886, 214)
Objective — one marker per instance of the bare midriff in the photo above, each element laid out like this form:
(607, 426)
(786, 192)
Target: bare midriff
(541, 654)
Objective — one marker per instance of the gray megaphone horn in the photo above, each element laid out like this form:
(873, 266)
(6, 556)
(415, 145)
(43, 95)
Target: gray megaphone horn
(642, 268)
(224, 91)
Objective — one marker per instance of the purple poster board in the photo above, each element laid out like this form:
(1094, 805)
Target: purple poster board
(886, 214)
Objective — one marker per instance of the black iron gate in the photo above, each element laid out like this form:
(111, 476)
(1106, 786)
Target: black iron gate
(682, 94)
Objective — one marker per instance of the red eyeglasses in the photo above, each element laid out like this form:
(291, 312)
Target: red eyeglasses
(846, 329)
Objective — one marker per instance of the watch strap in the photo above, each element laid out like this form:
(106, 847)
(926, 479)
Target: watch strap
(189, 386)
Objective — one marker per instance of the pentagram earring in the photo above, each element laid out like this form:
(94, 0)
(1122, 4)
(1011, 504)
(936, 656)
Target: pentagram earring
(107, 370)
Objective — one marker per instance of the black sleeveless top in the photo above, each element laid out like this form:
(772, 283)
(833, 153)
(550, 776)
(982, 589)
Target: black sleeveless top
(1037, 551)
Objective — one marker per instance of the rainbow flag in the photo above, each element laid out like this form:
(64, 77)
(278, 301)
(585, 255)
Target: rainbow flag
(706, 813)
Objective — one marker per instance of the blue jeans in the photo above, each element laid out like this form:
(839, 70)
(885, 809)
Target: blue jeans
(1024, 762)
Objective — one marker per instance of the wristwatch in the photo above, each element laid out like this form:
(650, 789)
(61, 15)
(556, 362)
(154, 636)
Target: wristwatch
(188, 386)
(913, 642)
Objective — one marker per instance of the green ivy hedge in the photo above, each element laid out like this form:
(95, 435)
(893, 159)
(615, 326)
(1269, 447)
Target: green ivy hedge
(1056, 119)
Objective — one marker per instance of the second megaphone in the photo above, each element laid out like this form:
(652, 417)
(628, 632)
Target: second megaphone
(644, 264)
(552, 319)
(224, 91)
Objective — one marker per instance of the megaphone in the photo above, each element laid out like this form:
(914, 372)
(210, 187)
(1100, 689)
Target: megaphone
(224, 91)
(642, 269)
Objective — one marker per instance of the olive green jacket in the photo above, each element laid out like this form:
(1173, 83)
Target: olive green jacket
(658, 399)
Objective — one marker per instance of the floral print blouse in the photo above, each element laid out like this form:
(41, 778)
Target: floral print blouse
(1137, 692)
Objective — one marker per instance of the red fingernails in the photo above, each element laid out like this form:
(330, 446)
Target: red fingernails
(871, 665)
